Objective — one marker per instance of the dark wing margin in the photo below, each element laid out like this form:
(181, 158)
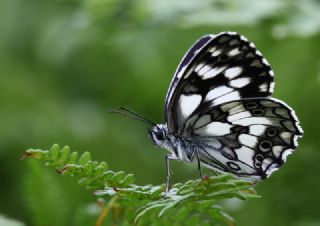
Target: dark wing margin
(249, 138)
(217, 69)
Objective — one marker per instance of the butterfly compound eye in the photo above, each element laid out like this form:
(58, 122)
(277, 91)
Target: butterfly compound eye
(159, 135)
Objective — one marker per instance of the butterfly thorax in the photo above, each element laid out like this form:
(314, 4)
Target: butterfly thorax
(179, 147)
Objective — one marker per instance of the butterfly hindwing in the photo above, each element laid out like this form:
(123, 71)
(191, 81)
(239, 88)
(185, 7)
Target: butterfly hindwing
(217, 69)
(249, 137)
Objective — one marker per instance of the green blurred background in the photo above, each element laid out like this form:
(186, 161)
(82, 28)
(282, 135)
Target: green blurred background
(63, 63)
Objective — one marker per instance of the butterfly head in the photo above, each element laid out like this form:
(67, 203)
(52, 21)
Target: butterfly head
(158, 135)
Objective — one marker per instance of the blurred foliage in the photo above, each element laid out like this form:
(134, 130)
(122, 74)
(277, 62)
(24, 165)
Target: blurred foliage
(194, 201)
(65, 62)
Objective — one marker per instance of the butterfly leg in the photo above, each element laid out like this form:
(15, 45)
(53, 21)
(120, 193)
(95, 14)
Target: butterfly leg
(199, 163)
(168, 158)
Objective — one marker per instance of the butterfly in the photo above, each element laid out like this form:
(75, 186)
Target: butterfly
(220, 113)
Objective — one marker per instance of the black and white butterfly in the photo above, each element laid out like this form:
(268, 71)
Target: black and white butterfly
(220, 113)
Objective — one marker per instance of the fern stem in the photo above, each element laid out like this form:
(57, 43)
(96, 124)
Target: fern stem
(105, 211)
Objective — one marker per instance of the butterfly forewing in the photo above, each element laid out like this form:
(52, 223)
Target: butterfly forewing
(249, 137)
(192, 52)
(217, 69)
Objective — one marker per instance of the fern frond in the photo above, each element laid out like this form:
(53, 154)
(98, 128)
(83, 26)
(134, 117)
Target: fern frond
(195, 200)
(92, 174)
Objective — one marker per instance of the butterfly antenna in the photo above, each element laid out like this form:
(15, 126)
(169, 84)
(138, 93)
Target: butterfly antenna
(131, 114)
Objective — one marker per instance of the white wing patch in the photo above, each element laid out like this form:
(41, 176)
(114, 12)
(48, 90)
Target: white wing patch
(240, 115)
(204, 70)
(210, 72)
(188, 103)
(214, 129)
(263, 87)
(226, 98)
(234, 52)
(253, 120)
(286, 136)
(212, 49)
(216, 92)
(265, 163)
(216, 53)
(286, 153)
(272, 168)
(240, 82)
(233, 72)
(277, 150)
(198, 67)
(248, 140)
(257, 130)
(245, 154)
